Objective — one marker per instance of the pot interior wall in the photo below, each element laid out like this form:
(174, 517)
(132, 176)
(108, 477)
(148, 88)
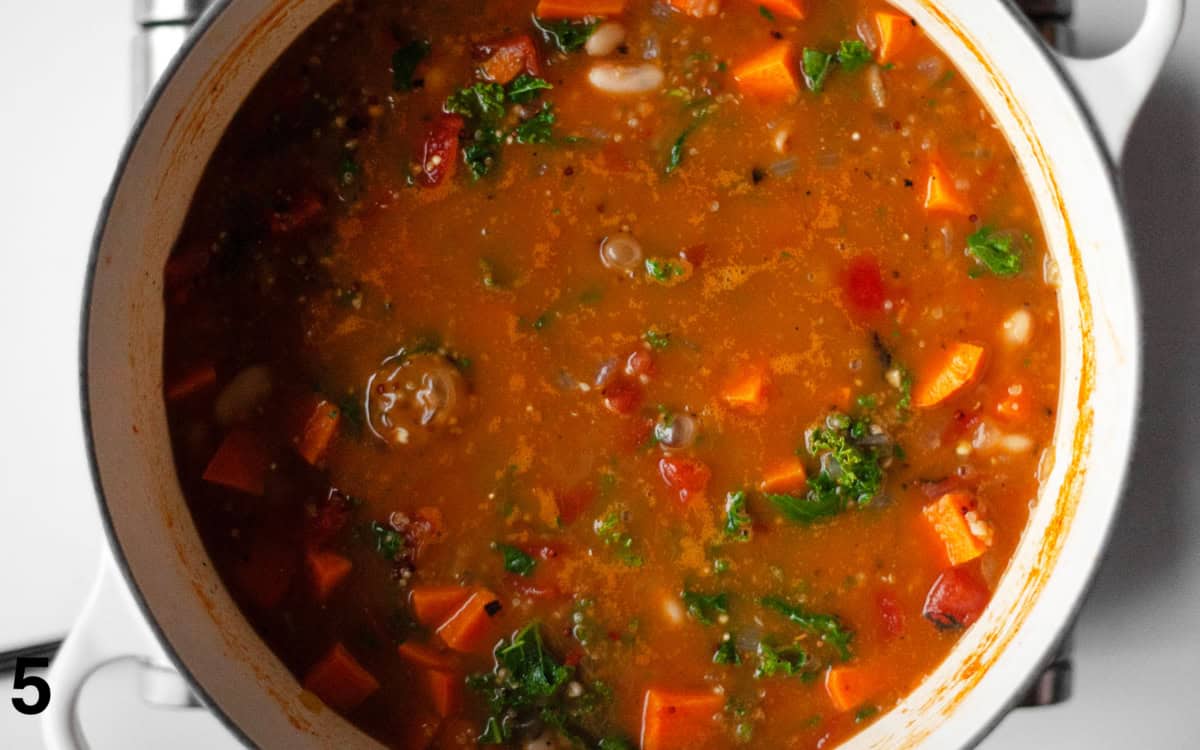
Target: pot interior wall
(154, 531)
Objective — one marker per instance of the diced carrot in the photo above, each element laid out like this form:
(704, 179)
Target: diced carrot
(554, 9)
(340, 681)
(240, 463)
(787, 476)
(796, 9)
(771, 75)
(266, 573)
(942, 194)
(445, 690)
(672, 720)
(194, 381)
(952, 371)
(849, 687)
(953, 518)
(327, 570)
(470, 629)
(318, 432)
(895, 33)
(424, 655)
(697, 8)
(431, 605)
(748, 391)
(509, 57)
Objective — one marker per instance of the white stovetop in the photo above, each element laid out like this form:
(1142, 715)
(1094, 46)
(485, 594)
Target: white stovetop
(64, 82)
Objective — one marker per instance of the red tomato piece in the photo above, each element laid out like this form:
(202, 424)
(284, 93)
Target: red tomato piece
(572, 503)
(622, 396)
(507, 58)
(1016, 405)
(689, 476)
(863, 283)
(957, 599)
(439, 157)
(641, 362)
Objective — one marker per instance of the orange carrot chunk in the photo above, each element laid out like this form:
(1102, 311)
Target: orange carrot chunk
(327, 570)
(747, 391)
(671, 720)
(787, 476)
(431, 605)
(554, 9)
(445, 691)
(697, 8)
(953, 371)
(340, 681)
(192, 382)
(240, 463)
(770, 75)
(470, 629)
(965, 535)
(941, 194)
(895, 33)
(786, 8)
(849, 687)
(318, 432)
(425, 656)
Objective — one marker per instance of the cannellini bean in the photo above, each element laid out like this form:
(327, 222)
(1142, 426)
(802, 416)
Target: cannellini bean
(1018, 327)
(242, 395)
(1015, 443)
(673, 609)
(625, 79)
(606, 38)
(783, 140)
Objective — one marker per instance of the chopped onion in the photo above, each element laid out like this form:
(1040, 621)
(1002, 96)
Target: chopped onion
(243, 395)
(931, 68)
(866, 32)
(784, 167)
(875, 84)
(621, 251)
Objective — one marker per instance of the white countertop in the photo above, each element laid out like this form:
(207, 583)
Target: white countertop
(64, 77)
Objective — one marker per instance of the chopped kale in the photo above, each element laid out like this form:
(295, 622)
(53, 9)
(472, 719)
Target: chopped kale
(737, 519)
(852, 55)
(480, 101)
(664, 269)
(611, 530)
(516, 560)
(827, 627)
(995, 252)
(657, 339)
(815, 65)
(525, 87)
(404, 64)
(568, 36)
(389, 543)
(727, 653)
(785, 661)
(705, 607)
(537, 128)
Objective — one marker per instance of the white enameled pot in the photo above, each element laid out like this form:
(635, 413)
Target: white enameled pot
(1066, 120)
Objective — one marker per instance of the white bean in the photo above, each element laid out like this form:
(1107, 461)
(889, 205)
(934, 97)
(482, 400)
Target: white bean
(1018, 327)
(606, 38)
(242, 395)
(625, 79)
(673, 609)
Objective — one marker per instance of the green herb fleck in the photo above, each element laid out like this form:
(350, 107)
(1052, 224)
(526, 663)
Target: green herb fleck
(852, 55)
(737, 519)
(815, 65)
(727, 653)
(481, 101)
(568, 36)
(611, 530)
(995, 251)
(388, 542)
(537, 128)
(516, 560)
(678, 149)
(404, 64)
(785, 661)
(657, 339)
(664, 269)
(865, 713)
(704, 607)
(766, 13)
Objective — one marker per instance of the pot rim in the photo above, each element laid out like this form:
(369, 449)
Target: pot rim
(195, 38)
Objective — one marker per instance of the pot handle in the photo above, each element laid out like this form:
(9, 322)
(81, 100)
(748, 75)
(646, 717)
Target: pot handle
(109, 629)
(1114, 87)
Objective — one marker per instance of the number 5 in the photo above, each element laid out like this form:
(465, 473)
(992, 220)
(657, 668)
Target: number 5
(22, 681)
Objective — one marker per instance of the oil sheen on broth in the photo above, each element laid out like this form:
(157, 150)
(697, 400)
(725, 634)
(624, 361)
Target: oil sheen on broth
(611, 374)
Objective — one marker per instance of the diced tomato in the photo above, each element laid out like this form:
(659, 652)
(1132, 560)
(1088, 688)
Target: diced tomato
(688, 476)
(622, 395)
(695, 254)
(439, 156)
(331, 516)
(957, 598)
(863, 284)
(891, 617)
(636, 436)
(640, 362)
(572, 503)
(505, 59)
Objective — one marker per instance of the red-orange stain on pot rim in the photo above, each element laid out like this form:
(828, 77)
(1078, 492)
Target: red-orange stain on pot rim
(1066, 504)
